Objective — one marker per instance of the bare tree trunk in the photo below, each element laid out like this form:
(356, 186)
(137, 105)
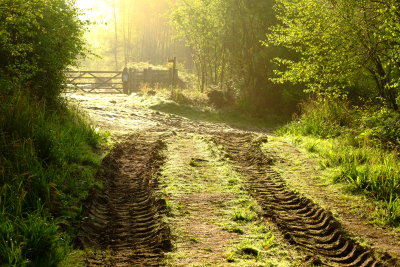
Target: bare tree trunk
(124, 34)
(116, 36)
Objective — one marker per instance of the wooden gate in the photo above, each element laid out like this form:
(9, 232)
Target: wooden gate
(111, 81)
(95, 81)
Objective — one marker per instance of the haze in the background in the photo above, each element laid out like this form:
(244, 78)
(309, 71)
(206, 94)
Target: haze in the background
(95, 10)
(124, 32)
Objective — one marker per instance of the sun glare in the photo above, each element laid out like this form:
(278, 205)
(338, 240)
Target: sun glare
(95, 10)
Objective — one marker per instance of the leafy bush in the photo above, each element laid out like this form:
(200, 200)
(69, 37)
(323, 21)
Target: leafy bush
(47, 166)
(47, 159)
(39, 39)
(323, 118)
(381, 126)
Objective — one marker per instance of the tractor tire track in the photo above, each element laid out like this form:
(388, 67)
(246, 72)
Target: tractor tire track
(302, 222)
(125, 217)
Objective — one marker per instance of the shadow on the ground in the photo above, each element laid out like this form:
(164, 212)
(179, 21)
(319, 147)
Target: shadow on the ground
(232, 117)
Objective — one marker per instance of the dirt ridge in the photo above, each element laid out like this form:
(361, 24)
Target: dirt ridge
(126, 216)
(303, 222)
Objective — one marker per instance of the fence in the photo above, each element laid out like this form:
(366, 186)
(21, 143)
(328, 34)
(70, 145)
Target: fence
(111, 81)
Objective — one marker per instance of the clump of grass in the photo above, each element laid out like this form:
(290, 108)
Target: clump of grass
(243, 215)
(367, 170)
(363, 143)
(235, 229)
(323, 118)
(47, 166)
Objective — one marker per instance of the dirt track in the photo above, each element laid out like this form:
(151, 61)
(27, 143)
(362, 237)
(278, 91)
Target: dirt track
(125, 218)
(303, 222)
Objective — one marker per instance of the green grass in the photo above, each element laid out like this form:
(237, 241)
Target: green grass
(372, 171)
(47, 166)
(243, 215)
(361, 145)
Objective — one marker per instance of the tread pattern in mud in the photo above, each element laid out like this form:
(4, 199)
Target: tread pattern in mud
(302, 222)
(125, 217)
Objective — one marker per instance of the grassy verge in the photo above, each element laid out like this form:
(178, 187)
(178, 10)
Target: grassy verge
(360, 146)
(47, 166)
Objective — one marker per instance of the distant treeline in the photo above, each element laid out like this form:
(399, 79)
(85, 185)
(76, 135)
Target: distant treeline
(137, 31)
(271, 50)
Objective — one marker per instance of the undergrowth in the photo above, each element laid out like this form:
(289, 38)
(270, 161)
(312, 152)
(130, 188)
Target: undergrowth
(196, 105)
(362, 144)
(47, 166)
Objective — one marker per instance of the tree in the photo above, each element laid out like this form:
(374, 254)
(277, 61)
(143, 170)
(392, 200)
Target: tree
(38, 41)
(340, 45)
(199, 23)
(225, 39)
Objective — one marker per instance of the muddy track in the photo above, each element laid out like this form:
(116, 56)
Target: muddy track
(125, 217)
(302, 222)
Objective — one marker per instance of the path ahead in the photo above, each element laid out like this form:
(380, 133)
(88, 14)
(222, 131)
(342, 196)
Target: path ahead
(184, 193)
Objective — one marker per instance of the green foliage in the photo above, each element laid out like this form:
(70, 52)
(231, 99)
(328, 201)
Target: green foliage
(323, 118)
(381, 126)
(47, 162)
(47, 167)
(374, 126)
(225, 39)
(362, 143)
(39, 39)
(341, 45)
(32, 240)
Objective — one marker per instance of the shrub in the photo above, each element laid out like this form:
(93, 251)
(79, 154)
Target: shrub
(322, 118)
(381, 127)
(39, 39)
(47, 166)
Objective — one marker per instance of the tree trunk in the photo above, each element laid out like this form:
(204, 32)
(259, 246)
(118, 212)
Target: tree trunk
(116, 36)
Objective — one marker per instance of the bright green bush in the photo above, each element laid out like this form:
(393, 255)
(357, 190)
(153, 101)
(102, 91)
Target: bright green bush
(382, 127)
(39, 39)
(47, 166)
(323, 118)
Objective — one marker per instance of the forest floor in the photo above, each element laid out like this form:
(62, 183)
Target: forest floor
(180, 192)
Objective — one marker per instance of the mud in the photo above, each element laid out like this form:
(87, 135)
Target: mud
(303, 222)
(125, 217)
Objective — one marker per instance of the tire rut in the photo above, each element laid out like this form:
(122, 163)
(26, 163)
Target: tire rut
(302, 222)
(125, 217)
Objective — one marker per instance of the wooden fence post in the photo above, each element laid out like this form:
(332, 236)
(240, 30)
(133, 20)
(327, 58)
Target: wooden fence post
(173, 72)
(145, 74)
(130, 83)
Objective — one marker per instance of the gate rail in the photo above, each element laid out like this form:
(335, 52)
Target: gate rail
(111, 81)
(95, 81)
